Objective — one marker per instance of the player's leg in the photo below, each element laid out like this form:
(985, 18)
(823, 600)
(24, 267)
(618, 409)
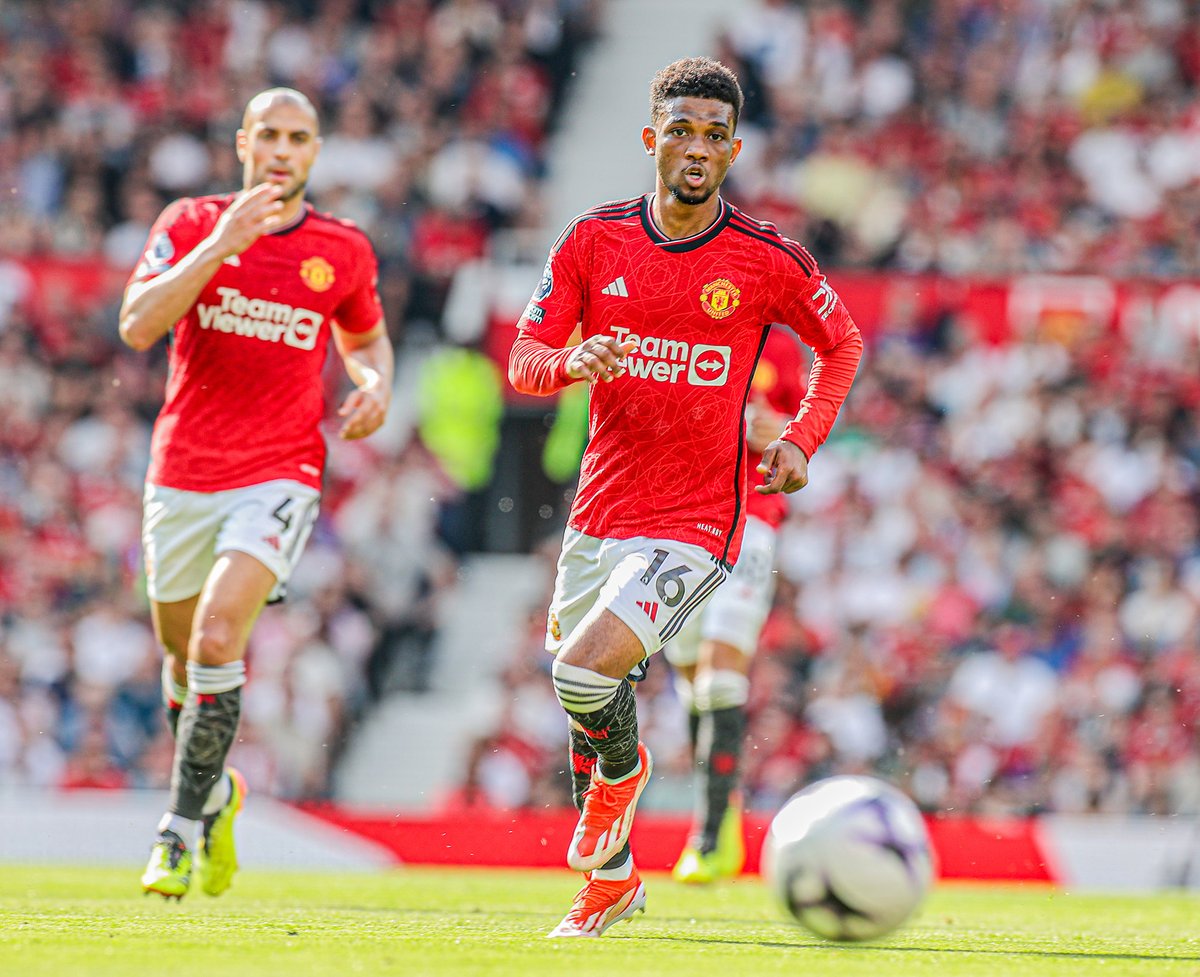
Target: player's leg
(621, 628)
(729, 632)
(683, 653)
(722, 689)
(173, 628)
(179, 533)
(202, 787)
(260, 541)
(602, 716)
(261, 531)
(235, 592)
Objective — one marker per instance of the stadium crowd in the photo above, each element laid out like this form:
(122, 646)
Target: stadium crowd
(991, 588)
(970, 137)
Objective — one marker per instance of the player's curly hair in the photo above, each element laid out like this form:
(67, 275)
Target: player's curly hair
(695, 78)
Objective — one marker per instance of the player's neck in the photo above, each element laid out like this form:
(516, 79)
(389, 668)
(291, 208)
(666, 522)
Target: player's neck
(679, 220)
(291, 212)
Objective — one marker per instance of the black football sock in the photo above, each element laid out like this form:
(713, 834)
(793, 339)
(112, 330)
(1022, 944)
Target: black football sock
(605, 711)
(583, 761)
(207, 728)
(718, 760)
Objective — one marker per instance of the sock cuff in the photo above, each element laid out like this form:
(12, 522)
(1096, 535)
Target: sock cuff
(723, 688)
(581, 690)
(618, 873)
(214, 679)
(172, 691)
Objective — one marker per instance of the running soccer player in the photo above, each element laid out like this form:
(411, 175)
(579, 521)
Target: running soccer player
(250, 286)
(711, 655)
(674, 292)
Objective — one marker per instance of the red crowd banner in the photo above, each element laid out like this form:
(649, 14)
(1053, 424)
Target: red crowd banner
(1009, 850)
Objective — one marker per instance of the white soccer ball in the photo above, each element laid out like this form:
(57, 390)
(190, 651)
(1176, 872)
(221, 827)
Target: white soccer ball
(849, 857)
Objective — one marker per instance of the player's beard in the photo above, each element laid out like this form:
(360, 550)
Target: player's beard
(686, 195)
(293, 193)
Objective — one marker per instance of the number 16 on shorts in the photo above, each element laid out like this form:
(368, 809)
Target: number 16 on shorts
(652, 585)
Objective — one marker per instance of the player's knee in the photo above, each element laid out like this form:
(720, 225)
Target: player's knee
(215, 642)
(721, 688)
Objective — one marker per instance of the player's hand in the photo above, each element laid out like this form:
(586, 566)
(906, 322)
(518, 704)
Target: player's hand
(599, 358)
(763, 425)
(783, 468)
(254, 213)
(364, 410)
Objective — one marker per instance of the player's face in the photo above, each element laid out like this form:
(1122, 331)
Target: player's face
(279, 146)
(693, 145)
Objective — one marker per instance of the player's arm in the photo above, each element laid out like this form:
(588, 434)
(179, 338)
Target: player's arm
(152, 306)
(541, 361)
(814, 311)
(370, 362)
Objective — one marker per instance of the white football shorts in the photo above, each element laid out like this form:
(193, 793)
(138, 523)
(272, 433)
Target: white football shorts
(184, 532)
(738, 611)
(653, 585)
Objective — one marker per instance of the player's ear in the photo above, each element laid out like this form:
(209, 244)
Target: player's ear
(737, 148)
(649, 137)
(240, 142)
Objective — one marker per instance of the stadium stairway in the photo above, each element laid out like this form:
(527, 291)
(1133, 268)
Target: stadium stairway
(587, 165)
(411, 750)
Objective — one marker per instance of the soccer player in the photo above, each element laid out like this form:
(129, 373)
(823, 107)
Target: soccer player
(711, 655)
(250, 287)
(674, 293)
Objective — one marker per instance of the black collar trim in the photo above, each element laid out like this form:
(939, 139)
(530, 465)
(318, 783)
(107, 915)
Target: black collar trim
(297, 221)
(678, 246)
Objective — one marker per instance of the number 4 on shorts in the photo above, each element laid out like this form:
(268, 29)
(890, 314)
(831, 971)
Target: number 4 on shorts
(279, 513)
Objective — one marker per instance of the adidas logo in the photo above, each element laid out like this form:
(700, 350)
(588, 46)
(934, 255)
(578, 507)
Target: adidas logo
(234, 260)
(650, 607)
(616, 288)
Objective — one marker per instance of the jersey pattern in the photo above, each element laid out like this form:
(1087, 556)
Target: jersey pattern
(666, 455)
(779, 382)
(244, 397)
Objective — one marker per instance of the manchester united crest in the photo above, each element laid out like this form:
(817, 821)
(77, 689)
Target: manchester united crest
(317, 274)
(720, 298)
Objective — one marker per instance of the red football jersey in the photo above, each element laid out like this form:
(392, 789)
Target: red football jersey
(779, 381)
(244, 397)
(666, 455)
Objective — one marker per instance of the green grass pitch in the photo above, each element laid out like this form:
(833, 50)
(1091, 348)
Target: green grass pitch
(59, 922)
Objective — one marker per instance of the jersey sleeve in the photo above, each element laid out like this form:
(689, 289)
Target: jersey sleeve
(177, 231)
(361, 309)
(807, 303)
(537, 363)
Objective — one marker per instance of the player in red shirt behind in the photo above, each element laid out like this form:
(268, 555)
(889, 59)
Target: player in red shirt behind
(675, 293)
(711, 656)
(251, 287)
